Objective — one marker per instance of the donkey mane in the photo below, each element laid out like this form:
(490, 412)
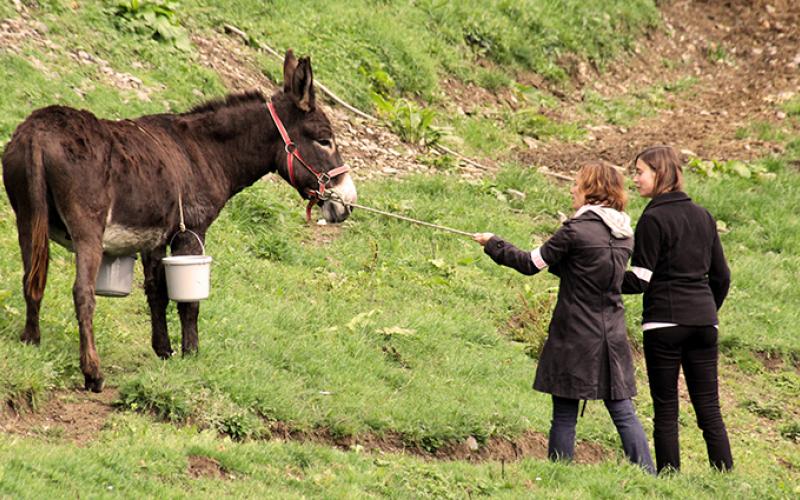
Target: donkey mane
(231, 100)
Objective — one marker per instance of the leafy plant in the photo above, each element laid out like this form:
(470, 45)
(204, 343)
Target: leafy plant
(412, 122)
(155, 18)
(720, 168)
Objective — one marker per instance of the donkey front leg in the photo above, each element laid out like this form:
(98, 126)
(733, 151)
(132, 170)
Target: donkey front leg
(155, 287)
(88, 257)
(187, 243)
(188, 312)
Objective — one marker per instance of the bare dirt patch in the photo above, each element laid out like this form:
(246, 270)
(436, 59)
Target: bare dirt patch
(530, 444)
(744, 56)
(771, 361)
(75, 416)
(206, 467)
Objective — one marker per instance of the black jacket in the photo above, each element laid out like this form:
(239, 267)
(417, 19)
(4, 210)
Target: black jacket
(586, 355)
(678, 263)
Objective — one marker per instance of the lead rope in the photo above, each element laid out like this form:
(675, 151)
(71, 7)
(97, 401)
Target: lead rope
(335, 196)
(181, 225)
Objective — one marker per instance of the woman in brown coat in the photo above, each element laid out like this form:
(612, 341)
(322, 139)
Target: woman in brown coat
(586, 355)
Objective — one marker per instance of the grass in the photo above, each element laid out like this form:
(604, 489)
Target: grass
(629, 108)
(134, 457)
(348, 351)
(415, 43)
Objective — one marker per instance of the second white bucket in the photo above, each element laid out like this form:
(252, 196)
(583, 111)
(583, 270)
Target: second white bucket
(188, 276)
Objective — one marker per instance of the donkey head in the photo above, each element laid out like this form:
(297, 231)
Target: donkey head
(312, 135)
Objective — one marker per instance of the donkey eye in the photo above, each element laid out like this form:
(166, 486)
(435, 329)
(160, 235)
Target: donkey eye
(326, 143)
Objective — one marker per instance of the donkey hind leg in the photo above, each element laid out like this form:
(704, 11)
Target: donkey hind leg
(35, 250)
(155, 287)
(87, 259)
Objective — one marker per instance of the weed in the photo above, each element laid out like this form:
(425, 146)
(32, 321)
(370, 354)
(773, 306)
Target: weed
(719, 168)
(151, 396)
(763, 131)
(791, 431)
(769, 410)
(157, 19)
(792, 107)
(443, 162)
(412, 122)
(529, 122)
(492, 79)
(529, 325)
(716, 53)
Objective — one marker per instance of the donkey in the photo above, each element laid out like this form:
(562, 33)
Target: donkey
(99, 186)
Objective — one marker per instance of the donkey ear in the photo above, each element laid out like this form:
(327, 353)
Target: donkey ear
(289, 67)
(302, 91)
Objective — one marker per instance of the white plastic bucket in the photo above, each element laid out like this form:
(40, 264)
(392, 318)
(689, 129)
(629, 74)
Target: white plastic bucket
(115, 276)
(188, 276)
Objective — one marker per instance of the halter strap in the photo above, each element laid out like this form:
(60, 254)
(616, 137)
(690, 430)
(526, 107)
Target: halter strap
(292, 152)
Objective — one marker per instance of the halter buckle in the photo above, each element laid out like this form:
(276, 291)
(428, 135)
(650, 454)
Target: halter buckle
(290, 148)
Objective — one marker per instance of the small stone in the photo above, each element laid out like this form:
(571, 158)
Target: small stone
(516, 194)
(472, 443)
(389, 170)
(781, 115)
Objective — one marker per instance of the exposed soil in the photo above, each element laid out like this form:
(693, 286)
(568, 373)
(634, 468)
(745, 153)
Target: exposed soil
(530, 444)
(760, 69)
(75, 416)
(78, 416)
(206, 467)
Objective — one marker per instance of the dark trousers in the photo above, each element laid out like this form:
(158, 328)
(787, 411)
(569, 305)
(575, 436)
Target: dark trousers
(694, 348)
(562, 431)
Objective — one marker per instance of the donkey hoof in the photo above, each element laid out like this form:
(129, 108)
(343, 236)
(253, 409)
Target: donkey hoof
(29, 339)
(93, 384)
(165, 354)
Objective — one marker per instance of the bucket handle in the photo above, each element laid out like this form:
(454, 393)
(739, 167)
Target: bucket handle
(202, 246)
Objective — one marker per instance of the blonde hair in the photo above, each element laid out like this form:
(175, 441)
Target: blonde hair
(602, 184)
(666, 164)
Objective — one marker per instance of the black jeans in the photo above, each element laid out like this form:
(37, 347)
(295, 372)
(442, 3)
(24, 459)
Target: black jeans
(694, 348)
(561, 444)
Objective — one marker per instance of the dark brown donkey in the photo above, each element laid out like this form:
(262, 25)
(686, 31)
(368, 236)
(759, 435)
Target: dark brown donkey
(100, 186)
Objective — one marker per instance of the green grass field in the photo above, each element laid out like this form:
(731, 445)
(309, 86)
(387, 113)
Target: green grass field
(376, 327)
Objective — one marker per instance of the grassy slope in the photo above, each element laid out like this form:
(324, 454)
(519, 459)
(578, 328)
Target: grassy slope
(298, 320)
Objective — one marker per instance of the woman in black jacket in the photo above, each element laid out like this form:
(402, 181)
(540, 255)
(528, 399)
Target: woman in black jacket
(586, 355)
(679, 265)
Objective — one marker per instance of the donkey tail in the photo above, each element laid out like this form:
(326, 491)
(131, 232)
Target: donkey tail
(37, 197)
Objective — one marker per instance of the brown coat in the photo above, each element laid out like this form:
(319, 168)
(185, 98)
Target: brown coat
(586, 355)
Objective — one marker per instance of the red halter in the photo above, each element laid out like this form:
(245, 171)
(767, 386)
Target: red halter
(323, 178)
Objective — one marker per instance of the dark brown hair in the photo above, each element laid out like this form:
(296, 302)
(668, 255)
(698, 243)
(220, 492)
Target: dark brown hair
(602, 184)
(666, 164)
